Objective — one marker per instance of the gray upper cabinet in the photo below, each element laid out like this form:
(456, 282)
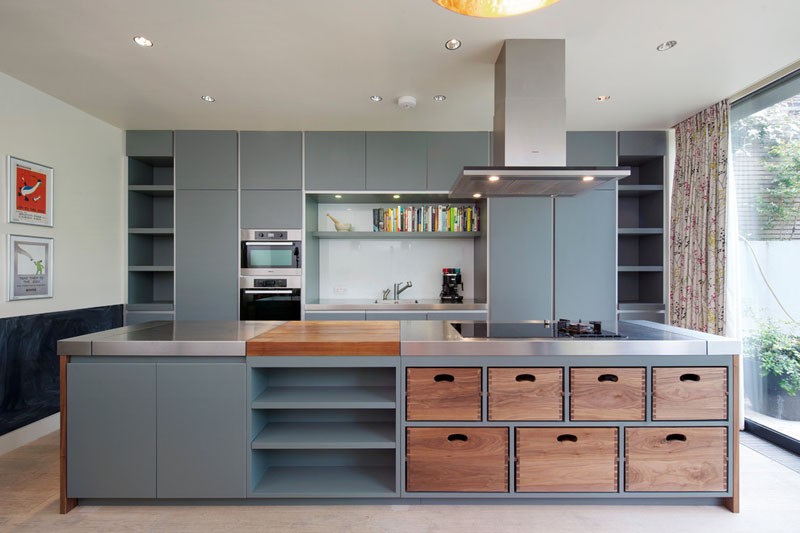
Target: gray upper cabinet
(335, 160)
(148, 144)
(206, 160)
(642, 143)
(592, 148)
(397, 161)
(206, 256)
(271, 160)
(272, 209)
(449, 152)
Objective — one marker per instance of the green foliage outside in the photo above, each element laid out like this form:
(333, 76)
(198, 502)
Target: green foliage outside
(776, 347)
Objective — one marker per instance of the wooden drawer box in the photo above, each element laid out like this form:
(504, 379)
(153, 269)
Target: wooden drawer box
(607, 394)
(443, 394)
(567, 459)
(676, 459)
(690, 393)
(457, 459)
(526, 393)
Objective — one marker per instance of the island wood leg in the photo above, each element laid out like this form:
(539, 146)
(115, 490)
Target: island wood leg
(65, 504)
(732, 503)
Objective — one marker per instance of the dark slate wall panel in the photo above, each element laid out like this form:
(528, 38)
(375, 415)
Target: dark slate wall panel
(29, 362)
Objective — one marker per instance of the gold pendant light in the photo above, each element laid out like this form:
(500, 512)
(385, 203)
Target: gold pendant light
(493, 8)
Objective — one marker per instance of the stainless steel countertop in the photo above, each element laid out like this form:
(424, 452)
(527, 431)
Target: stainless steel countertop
(165, 338)
(404, 304)
(440, 339)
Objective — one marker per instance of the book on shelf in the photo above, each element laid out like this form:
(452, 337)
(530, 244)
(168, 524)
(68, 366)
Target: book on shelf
(427, 219)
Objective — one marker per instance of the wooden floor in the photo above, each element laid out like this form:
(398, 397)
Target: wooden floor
(29, 502)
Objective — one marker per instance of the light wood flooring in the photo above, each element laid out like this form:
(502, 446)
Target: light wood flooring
(29, 502)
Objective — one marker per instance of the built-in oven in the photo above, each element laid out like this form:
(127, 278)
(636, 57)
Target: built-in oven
(270, 252)
(269, 298)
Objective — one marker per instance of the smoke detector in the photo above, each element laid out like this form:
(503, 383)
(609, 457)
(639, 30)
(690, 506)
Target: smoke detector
(407, 102)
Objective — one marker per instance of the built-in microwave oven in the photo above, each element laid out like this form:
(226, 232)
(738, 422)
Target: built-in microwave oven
(270, 252)
(269, 298)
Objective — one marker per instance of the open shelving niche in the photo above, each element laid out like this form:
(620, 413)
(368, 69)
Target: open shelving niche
(359, 205)
(641, 240)
(323, 432)
(151, 241)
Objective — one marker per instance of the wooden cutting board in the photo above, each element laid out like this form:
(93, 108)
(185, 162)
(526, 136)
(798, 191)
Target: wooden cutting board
(329, 338)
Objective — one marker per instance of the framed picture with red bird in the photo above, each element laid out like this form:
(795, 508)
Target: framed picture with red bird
(30, 193)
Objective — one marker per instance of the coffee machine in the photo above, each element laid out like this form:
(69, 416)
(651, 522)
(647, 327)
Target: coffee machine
(451, 279)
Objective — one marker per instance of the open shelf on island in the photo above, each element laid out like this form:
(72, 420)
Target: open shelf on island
(327, 481)
(343, 397)
(396, 234)
(326, 435)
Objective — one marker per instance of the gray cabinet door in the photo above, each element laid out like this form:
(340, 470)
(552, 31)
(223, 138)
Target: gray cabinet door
(147, 143)
(520, 233)
(586, 256)
(206, 160)
(592, 148)
(397, 161)
(271, 160)
(272, 209)
(206, 256)
(111, 441)
(642, 143)
(201, 430)
(450, 152)
(335, 160)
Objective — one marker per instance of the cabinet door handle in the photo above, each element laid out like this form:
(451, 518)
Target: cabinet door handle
(607, 377)
(676, 437)
(526, 377)
(690, 377)
(457, 437)
(438, 378)
(567, 437)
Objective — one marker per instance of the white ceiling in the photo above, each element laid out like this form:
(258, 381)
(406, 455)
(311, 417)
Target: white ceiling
(312, 64)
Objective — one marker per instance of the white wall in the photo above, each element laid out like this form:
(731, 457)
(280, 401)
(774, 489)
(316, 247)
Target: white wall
(779, 261)
(87, 157)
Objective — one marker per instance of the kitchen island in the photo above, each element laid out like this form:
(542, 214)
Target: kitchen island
(411, 411)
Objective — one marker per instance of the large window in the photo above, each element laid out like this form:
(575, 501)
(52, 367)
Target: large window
(765, 151)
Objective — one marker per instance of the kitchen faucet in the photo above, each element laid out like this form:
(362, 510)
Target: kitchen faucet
(398, 289)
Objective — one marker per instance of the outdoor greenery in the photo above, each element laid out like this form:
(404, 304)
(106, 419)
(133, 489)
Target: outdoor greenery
(776, 347)
(780, 204)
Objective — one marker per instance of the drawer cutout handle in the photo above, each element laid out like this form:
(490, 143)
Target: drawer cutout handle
(690, 377)
(526, 377)
(457, 437)
(607, 377)
(567, 437)
(438, 378)
(676, 437)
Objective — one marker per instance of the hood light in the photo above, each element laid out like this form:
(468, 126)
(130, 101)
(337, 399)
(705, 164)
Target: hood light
(337, 195)
(395, 196)
(494, 178)
(588, 178)
(476, 195)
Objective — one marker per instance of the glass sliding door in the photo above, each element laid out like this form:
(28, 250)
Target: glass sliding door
(765, 153)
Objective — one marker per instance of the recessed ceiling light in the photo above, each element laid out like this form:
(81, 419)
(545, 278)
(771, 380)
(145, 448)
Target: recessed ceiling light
(588, 178)
(440, 98)
(337, 195)
(395, 196)
(494, 178)
(453, 44)
(476, 195)
(143, 41)
(666, 45)
(603, 98)
(208, 98)
(376, 98)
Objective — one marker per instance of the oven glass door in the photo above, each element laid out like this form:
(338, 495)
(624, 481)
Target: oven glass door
(269, 304)
(272, 255)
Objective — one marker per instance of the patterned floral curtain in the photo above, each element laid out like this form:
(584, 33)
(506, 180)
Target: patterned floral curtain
(697, 221)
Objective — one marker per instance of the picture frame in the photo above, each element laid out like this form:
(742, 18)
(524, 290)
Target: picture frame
(30, 193)
(30, 267)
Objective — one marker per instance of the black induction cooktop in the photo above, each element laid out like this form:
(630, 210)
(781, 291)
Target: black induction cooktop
(525, 330)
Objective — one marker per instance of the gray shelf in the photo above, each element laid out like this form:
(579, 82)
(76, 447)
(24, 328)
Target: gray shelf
(326, 398)
(153, 306)
(640, 231)
(396, 234)
(151, 268)
(639, 190)
(153, 190)
(327, 481)
(152, 231)
(326, 435)
(640, 268)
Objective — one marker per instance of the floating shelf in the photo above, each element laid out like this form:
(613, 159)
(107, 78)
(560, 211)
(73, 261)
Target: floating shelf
(639, 190)
(640, 269)
(396, 234)
(326, 435)
(640, 231)
(327, 481)
(152, 306)
(326, 398)
(151, 268)
(153, 190)
(152, 231)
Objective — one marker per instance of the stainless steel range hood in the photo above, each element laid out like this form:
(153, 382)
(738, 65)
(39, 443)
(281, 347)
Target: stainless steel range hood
(530, 137)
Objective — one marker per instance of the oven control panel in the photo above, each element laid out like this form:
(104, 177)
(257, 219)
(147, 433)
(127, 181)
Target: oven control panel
(269, 283)
(264, 235)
